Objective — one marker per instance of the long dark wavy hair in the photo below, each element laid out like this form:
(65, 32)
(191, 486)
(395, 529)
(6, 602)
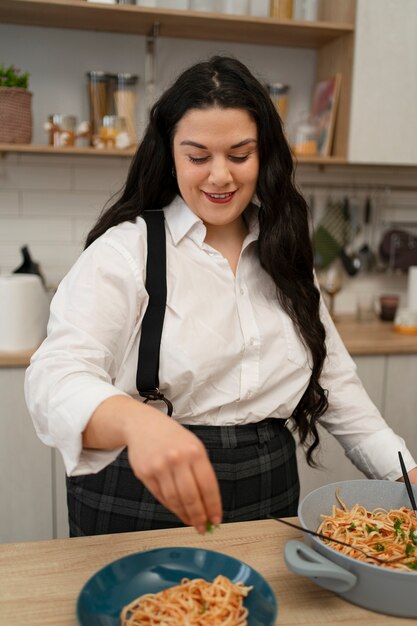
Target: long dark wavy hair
(284, 246)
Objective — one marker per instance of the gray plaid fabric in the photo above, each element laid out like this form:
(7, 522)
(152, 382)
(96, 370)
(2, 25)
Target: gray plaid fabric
(255, 464)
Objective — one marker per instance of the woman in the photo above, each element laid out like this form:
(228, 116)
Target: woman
(246, 342)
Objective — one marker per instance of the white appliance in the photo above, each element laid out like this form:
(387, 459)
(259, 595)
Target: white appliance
(24, 312)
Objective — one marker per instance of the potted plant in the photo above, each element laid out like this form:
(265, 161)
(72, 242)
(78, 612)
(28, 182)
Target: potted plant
(15, 106)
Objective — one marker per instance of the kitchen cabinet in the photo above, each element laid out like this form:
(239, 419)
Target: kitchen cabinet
(26, 480)
(332, 37)
(383, 124)
(390, 383)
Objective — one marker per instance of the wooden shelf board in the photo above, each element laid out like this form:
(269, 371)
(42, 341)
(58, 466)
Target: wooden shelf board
(11, 148)
(70, 151)
(82, 15)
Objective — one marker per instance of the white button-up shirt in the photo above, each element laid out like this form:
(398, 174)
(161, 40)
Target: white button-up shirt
(229, 353)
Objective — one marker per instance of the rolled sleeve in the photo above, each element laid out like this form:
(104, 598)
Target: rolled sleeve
(354, 420)
(94, 318)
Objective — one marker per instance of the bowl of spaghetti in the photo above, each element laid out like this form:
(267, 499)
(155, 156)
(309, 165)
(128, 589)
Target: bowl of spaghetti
(375, 519)
(177, 586)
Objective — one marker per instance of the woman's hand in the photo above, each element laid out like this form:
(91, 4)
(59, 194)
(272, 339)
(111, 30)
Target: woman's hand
(173, 464)
(170, 460)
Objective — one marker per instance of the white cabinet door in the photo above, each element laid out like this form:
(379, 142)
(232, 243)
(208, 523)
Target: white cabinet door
(25, 468)
(61, 530)
(401, 398)
(335, 465)
(383, 121)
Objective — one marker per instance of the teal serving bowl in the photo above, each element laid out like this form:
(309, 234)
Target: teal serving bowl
(115, 585)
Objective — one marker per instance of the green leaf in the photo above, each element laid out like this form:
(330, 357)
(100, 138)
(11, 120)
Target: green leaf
(398, 530)
(11, 77)
(409, 549)
(371, 529)
(412, 565)
(379, 547)
(210, 527)
(352, 526)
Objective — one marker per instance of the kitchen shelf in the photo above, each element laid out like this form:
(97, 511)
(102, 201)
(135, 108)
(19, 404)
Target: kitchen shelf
(6, 148)
(10, 148)
(82, 15)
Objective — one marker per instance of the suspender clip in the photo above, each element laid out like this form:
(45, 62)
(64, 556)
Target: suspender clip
(153, 395)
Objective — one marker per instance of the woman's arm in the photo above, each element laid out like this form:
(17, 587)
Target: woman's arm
(170, 460)
(412, 474)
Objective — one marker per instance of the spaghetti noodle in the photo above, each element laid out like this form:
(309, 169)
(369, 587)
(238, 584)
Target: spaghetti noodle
(191, 603)
(390, 534)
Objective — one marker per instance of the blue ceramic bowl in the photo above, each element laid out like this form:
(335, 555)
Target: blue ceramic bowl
(104, 594)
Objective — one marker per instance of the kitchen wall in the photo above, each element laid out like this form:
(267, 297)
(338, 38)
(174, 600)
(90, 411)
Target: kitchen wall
(50, 202)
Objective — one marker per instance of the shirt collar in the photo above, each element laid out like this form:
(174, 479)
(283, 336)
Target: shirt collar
(183, 221)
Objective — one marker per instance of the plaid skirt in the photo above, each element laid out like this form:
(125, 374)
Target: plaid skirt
(255, 465)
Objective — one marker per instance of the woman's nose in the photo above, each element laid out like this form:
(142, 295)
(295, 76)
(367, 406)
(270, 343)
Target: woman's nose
(220, 174)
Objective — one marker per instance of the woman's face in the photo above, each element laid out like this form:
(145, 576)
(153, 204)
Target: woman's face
(216, 162)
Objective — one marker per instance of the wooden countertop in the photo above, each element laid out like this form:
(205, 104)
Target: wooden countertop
(373, 337)
(41, 580)
(15, 359)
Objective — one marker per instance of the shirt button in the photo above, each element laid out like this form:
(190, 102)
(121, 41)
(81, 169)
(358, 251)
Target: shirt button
(252, 341)
(249, 394)
(242, 291)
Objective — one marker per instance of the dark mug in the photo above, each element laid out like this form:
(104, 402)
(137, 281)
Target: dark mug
(388, 307)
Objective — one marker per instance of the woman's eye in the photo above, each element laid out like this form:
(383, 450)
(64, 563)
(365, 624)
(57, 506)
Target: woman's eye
(197, 160)
(238, 159)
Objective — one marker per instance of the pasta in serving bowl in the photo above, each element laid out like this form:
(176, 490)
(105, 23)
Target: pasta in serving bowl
(382, 524)
(165, 578)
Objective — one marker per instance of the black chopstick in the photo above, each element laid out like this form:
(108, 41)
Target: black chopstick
(342, 543)
(407, 483)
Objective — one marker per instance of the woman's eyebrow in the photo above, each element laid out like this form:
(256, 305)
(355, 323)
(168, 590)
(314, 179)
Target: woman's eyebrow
(202, 147)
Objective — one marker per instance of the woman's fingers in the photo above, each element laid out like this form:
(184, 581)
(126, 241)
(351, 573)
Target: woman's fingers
(170, 498)
(209, 489)
(191, 498)
(173, 464)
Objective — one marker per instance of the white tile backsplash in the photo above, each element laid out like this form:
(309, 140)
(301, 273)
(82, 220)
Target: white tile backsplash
(24, 229)
(41, 176)
(73, 203)
(9, 203)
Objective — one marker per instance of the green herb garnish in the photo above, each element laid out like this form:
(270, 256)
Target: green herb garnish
(412, 565)
(210, 527)
(379, 547)
(398, 529)
(203, 608)
(372, 529)
(409, 549)
(352, 526)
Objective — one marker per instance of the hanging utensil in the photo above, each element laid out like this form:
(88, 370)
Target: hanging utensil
(351, 261)
(408, 487)
(366, 255)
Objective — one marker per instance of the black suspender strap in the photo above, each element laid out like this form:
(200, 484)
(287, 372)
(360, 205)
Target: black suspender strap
(147, 376)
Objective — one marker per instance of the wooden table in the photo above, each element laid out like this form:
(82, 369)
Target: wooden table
(40, 581)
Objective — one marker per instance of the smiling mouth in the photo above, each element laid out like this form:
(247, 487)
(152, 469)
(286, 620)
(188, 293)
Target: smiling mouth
(219, 198)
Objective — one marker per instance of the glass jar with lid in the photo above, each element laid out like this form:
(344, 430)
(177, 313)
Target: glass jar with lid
(125, 101)
(305, 141)
(61, 129)
(100, 88)
(279, 96)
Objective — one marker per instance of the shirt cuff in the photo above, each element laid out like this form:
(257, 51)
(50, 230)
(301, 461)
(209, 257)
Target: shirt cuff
(69, 422)
(377, 455)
